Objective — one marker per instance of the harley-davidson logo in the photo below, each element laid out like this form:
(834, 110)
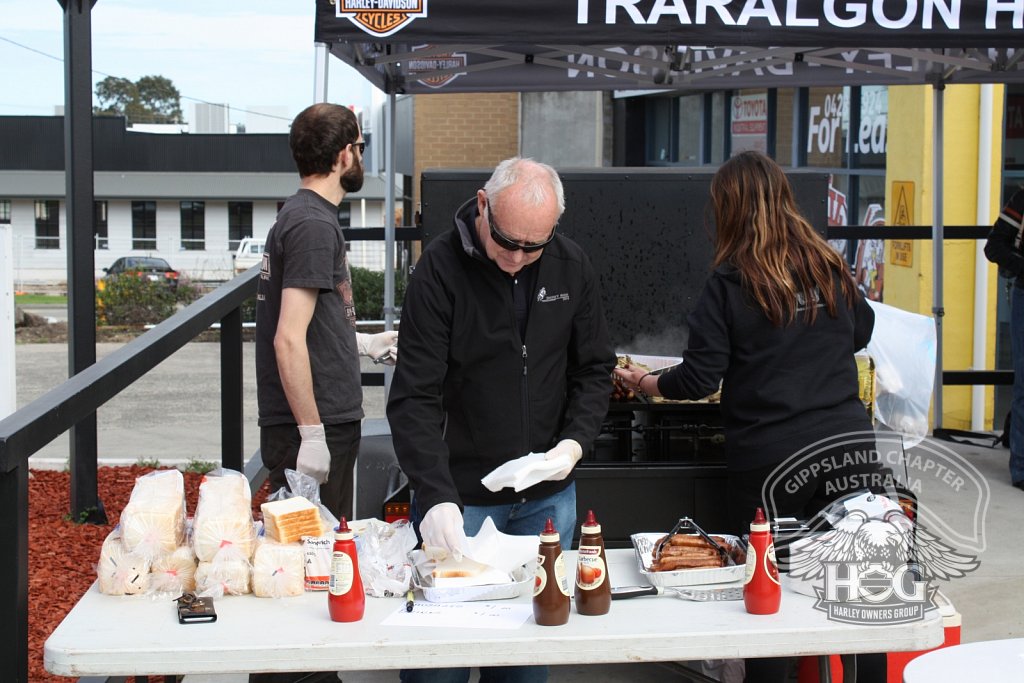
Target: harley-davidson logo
(381, 17)
(447, 61)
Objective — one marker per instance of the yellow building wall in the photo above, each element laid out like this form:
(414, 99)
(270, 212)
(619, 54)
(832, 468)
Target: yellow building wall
(909, 159)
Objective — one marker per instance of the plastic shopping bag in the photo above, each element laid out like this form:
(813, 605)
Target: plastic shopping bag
(903, 348)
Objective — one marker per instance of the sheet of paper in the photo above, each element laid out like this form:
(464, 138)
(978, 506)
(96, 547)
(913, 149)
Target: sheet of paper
(493, 615)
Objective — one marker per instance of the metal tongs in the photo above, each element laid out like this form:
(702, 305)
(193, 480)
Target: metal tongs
(694, 594)
(686, 524)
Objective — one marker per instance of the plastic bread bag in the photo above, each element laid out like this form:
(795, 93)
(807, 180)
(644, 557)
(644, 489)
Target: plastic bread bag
(278, 569)
(118, 571)
(174, 573)
(903, 348)
(383, 548)
(223, 577)
(153, 521)
(223, 527)
(300, 484)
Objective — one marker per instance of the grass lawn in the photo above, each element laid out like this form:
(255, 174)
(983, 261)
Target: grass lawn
(29, 299)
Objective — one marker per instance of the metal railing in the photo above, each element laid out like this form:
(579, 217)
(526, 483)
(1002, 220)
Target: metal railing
(29, 429)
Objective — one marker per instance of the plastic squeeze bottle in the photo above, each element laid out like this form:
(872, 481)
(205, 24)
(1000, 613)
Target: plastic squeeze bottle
(761, 590)
(345, 598)
(593, 588)
(551, 587)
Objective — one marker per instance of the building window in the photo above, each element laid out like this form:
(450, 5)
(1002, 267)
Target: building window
(99, 222)
(345, 214)
(193, 225)
(5, 211)
(239, 223)
(47, 224)
(143, 225)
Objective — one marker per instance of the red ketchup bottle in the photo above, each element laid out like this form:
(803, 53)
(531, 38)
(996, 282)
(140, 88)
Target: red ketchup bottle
(551, 586)
(345, 598)
(593, 588)
(761, 590)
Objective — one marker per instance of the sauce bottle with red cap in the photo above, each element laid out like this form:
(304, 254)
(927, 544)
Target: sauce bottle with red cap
(551, 587)
(761, 590)
(345, 598)
(593, 588)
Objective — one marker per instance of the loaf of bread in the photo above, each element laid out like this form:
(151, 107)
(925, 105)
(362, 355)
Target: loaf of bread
(174, 572)
(288, 520)
(223, 527)
(277, 570)
(120, 572)
(223, 578)
(153, 521)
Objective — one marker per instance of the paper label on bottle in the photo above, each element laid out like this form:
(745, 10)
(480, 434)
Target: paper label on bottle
(771, 566)
(541, 579)
(341, 573)
(560, 578)
(751, 566)
(590, 569)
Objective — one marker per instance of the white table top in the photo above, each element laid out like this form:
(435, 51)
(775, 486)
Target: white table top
(992, 661)
(107, 635)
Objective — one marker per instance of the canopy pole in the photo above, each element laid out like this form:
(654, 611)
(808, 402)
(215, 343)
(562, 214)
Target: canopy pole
(981, 266)
(389, 227)
(938, 235)
(321, 59)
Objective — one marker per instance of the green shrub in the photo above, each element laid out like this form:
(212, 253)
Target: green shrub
(133, 299)
(368, 292)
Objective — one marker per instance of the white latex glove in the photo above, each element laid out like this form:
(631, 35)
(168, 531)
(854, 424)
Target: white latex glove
(567, 448)
(381, 347)
(314, 459)
(441, 527)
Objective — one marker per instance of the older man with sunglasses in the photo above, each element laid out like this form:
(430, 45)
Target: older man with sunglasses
(505, 352)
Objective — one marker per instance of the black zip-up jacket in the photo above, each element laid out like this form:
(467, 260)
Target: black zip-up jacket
(783, 388)
(1003, 246)
(468, 393)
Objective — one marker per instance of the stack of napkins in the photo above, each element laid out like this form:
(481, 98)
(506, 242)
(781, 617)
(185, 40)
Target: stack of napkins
(489, 559)
(524, 472)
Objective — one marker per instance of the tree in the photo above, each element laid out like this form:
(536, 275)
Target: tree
(151, 99)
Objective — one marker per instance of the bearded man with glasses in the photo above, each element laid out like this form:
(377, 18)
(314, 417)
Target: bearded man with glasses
(505, 352)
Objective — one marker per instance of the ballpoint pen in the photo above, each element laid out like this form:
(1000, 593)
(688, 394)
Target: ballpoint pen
(409, 599)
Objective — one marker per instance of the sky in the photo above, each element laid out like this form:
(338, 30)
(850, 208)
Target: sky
(251, 55)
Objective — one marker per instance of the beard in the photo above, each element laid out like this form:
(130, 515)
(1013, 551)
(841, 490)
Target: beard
(352, 179)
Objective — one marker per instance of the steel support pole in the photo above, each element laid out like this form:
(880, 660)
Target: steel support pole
(78, 172)
(389, 227)
(14, 574)
(938, 235)
(232, 448)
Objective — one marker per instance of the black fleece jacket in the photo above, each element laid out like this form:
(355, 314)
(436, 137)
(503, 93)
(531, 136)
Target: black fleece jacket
(1003, 246)
(782, 388)
(469, 394)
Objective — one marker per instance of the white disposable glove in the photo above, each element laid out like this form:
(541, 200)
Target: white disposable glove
(314, 459)
(381, 347)
(568, 449)
(441, 527)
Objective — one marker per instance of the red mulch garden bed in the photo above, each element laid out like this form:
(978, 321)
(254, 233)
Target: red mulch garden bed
(62, 554)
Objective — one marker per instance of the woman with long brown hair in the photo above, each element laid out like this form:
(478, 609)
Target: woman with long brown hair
(777, 326)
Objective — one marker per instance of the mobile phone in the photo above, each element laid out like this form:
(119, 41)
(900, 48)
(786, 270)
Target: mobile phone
(192, 609)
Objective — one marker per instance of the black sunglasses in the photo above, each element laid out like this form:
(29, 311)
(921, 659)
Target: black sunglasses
(511, 245)
(361, 146)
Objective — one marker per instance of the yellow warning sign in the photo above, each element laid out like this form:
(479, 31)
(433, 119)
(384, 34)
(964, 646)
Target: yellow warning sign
(901, 252)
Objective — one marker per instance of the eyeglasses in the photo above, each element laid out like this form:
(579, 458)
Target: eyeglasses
(361, 146)
(511, 245)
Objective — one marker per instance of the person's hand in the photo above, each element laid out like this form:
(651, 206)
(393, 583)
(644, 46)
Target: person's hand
(632, 377)
(441, 527)
(566, 447)
(314, 459)
(381, 347)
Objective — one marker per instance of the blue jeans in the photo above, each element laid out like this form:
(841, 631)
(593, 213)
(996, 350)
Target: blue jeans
(1017, 406)
(523, 518)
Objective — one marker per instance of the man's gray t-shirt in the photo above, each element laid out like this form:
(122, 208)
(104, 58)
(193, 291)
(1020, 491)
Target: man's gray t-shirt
(306, 249)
